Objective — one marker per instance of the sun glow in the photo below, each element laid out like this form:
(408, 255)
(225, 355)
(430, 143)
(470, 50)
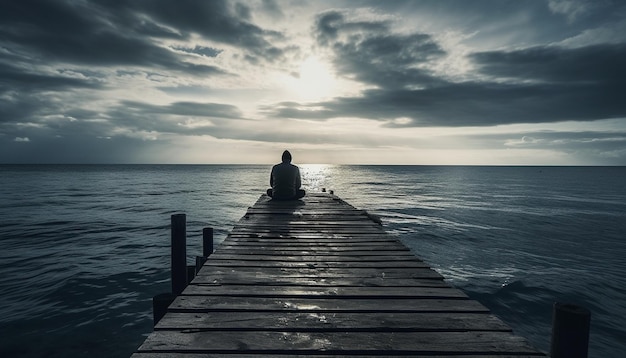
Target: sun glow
(314, 80)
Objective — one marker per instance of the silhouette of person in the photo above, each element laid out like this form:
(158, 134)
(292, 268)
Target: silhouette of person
(285, 180)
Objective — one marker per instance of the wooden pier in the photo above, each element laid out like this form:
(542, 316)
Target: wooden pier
(317, 277)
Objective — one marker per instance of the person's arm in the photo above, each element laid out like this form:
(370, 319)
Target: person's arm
(298, 179)
(272, 178)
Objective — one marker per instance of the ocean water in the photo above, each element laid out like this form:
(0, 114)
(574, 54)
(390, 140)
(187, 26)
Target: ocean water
(85, 248)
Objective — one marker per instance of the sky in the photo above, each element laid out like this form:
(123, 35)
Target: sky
(439, 82)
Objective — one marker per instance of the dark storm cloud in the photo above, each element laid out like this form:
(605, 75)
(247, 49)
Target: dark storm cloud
(201, 50)
(272, 8)
(14, 79)
(119, 134)
(467, 104)
(599, 64)
(205, 119)
(26, 95)
(369, 52)
(185, 118)
(533, 85)
(81, 33)
(331, 24)
(217, 20)
(107, 33)
(52, 51)
(213, 110)
(521, 21)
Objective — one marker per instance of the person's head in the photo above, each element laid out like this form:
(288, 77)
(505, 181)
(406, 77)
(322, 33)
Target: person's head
(286, 157)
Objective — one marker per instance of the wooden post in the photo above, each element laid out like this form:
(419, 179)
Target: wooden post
(207, 241)
(570, 331)
(179, 253)
(191, 273)
(160, 303)
(200, 260)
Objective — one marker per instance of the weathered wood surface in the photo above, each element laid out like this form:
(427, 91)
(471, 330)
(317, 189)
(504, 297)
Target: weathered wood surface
(319, 277)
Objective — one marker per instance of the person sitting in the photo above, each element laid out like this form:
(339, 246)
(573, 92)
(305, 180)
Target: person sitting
(285, 180)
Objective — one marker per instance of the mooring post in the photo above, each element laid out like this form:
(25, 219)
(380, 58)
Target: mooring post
(207, 241)
(200, 260)
(207, 247)
(191, 273)
(160, 303)
(570, 331)
(179, 253)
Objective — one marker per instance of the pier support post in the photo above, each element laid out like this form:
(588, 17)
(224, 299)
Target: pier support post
(570, 331)
(179, 253)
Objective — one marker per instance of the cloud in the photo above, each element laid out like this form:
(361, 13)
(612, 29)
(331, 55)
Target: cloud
(213, 110)
(598, 147)
(85, 76)
(66, 67)
(531, 85)
(370, 52)
(200, 50)
(564, 140)
(105, 33)
(570, 8)
(216, 20)
(25, 93)
(272, 8)
(24, 79)
(594, 64)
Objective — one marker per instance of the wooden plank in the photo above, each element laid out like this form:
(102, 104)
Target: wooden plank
(332, 322)
(320, 264)
(312, 251)
(357, 229)
(317, 355)
(345, 292)
(316, 232)
(316, 258)
(297, 245)
(318, 252)
(416, 343)
(313, 241)
(270, 272)
(325, 304)
(352, 226)
(306, 216)
(318, 281)
(235, 232)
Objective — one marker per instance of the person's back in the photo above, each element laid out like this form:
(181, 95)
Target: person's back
(285, 180)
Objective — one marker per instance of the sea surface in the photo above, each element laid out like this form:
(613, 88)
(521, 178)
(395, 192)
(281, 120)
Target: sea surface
(84, 248)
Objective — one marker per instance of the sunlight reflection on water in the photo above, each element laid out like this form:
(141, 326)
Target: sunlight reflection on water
(315, 177)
